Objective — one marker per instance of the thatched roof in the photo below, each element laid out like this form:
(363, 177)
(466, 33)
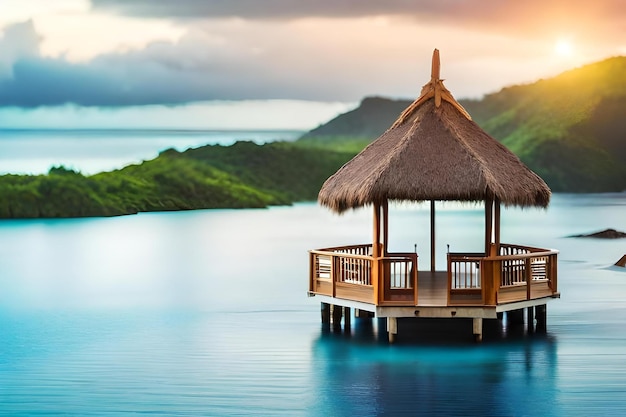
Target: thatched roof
(434, 151)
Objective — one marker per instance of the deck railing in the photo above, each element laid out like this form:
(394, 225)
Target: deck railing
(399, 272)
(464, 270)
(523, 273)
(516, 273)
(347, 272)
(465, 278)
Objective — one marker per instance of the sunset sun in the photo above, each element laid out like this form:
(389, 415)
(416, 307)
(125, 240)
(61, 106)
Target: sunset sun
(563, 48)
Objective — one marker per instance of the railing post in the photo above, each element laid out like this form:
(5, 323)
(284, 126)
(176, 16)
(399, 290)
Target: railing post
(527, 277)
(375, 279)
(334, 271)
(312, 280)
(553, 273)
(487, 278)
(449, 277)
(415, 278)
(497, 279)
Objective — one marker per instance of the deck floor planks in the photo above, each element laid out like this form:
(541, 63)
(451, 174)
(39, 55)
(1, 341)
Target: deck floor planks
(432, 288)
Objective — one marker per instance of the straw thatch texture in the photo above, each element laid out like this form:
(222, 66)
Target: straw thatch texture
(434, 153)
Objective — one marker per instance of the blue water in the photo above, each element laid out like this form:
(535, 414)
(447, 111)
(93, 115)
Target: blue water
(205, 313)
(25, 151)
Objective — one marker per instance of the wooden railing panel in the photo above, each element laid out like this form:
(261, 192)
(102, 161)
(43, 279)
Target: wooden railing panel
(351, 272)
(354, 270)
(465, 278)
(399, 275)
(354, 292)
(526, 273)
(464, 270)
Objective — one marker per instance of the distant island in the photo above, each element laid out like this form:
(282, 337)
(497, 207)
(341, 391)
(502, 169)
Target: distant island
(604, 234)
(243, 175)
(570, 129)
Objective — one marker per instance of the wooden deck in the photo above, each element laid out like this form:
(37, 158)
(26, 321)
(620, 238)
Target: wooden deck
(517, 274)
(432, 288)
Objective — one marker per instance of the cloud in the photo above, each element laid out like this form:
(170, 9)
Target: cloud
(511, 16)
(265, 9)
(19, 41)
(196, 68)
(317, 50)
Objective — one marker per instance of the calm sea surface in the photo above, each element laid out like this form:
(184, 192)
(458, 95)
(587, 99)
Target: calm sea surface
(205, 313)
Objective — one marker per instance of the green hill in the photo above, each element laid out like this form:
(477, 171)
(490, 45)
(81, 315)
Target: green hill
(244, 175)
(353, 130)
(570, 129)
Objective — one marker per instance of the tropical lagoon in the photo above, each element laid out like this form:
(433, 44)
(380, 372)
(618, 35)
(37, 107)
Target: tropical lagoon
(205, 313)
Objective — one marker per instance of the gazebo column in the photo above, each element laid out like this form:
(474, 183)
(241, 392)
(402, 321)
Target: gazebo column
(492, 226)
(432, 235)
(376, 237)
(488, 224)
(376, 255)
(496, 230)
(490, 274)
(385, 227)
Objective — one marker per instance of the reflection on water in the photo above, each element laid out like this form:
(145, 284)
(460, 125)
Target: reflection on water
(434, 371)
(205, 313)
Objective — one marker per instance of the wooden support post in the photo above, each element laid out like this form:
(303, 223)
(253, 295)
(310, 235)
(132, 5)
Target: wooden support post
(312, 280)
(385, 228)
(392, 328)
(346, 317)
(337, 313)
(553, 274)
(528, 278)
(500, 315)
(477, 328)
(363, 314)
(496, 226)
(515, 317)
(376, 275)
(488, 224)
(488, 282)
(530, 319)
(432, 235)
(376, 237)
(325, 309)
(542, 318)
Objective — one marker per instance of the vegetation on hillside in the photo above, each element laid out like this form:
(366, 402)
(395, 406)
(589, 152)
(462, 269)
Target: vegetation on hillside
(244, 175)
(352, 131)
(570, 129)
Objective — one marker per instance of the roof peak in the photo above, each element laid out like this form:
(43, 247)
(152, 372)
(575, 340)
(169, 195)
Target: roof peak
(433, 89)
(435, 66)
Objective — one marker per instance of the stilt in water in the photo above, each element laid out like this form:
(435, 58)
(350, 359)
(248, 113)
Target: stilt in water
(325, 310)
(477, 329)
(337, 313)
(542, 318)
(530, 319)
(346, 317)
(392, 328)
(515, 317)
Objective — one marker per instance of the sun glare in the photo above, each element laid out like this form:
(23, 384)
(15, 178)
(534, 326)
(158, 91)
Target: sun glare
(563, 48)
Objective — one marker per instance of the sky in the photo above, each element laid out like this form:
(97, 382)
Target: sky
(276, 63)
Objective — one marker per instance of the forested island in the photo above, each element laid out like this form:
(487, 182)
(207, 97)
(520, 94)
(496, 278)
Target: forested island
(570, 129)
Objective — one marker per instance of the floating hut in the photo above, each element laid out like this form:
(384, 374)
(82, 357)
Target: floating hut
(435, 152)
